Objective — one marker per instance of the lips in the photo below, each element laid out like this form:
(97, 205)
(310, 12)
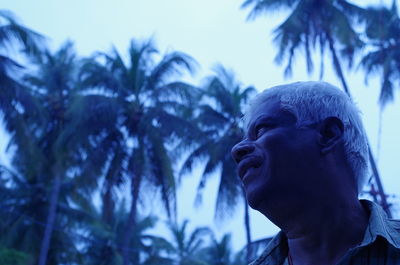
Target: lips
(248, 163)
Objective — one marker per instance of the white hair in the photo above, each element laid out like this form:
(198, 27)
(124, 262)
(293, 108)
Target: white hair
(312, 102)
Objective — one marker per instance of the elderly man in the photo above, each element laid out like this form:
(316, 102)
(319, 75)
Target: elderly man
(303, 162)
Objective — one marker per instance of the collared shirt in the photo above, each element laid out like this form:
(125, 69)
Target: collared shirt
(380, 246)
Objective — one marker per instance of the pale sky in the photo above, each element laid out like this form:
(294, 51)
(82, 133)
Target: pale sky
(212, 31)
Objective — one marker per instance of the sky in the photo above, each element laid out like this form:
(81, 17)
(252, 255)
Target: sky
(212, 31)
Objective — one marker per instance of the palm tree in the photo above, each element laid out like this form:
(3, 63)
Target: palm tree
(220, 252)
(94, 115)
(103, 239)
(13, 34)
(152, 105)
(23, 211)
(383, 59)
(53, 84)
(384, 37)
(318, 24)
(220, 119)
(312, 25)
(43, 155)
(14, 96)
(19, 204)
(186, 248)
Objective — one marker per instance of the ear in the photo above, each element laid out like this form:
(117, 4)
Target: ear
(331, 133)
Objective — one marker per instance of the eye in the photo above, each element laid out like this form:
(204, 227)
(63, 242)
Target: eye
(263, 128)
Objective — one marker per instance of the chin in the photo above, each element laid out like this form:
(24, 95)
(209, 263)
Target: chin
(254, 198)
(257, 191)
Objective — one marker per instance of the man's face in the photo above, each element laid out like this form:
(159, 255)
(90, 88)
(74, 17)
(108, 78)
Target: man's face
(274, 157)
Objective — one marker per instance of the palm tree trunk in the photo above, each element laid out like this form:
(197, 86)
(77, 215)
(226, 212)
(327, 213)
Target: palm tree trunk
(383, 201)
(336, 64)
(339, 72)
(107, 195)
(379, 140)
(135, 186)
(247, 225)
(107, 203)
(50, 219)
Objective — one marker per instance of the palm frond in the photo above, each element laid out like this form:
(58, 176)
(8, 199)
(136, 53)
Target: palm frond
(180, 91)
(260, 7)
(211, 118)
(162, 172)
(13, 32)
(170, 64)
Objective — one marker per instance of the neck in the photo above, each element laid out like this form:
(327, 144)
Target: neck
(326, 233)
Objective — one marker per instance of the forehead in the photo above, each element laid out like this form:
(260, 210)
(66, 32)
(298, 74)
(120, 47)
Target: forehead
(269, 108)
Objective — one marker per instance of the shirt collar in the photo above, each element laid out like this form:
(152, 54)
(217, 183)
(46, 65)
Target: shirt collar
(378, 225)
(276, 251)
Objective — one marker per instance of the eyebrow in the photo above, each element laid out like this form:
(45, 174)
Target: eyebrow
(259, 120)
(263, 119)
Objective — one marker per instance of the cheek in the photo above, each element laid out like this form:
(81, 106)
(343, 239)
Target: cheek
(283, 145)
(278, 149)
(286, 157)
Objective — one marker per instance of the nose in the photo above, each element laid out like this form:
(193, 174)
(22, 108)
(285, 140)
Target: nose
(240, 150)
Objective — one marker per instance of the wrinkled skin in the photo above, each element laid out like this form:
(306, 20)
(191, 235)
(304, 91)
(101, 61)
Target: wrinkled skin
(297, 176)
